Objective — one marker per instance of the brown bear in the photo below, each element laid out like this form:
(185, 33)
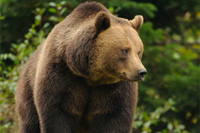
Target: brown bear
(83, 78)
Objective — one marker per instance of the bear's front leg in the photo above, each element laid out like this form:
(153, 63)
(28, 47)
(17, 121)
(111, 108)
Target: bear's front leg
(57, 101)
(52, 116)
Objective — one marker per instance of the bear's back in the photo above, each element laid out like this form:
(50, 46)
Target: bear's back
(87, 10)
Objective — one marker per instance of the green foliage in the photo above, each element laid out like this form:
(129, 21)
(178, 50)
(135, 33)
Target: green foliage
(150, 35)
(168, 98)
(131, 8)
(150, 122)
(172, 73)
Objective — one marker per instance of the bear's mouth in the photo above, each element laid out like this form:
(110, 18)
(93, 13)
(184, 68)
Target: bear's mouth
(137, 78)
(133, 78)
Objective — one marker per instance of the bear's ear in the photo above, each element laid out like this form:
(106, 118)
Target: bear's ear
(137, 22)
(102, 21)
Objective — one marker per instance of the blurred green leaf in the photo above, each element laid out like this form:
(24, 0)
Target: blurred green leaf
(52, 10)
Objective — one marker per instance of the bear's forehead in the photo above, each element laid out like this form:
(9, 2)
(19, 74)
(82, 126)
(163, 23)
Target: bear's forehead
(121, 36)
(122, 21)
(124, 32)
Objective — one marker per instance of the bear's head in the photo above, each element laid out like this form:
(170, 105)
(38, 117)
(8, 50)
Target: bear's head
(111, 53)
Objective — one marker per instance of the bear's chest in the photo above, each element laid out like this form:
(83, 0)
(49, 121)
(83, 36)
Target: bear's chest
(99, 102)
(89, 103)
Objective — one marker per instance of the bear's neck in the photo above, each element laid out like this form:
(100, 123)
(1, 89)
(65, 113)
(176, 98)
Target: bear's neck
(102, 81)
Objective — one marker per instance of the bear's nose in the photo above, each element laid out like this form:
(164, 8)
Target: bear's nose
(142, 73)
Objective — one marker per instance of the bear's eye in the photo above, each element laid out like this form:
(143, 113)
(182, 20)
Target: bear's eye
(139, 53)
(125, 51)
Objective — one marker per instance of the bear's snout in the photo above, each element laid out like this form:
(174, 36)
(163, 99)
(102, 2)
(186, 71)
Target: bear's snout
(142, 73)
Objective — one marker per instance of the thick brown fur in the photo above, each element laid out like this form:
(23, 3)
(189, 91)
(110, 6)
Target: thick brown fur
(78, 79)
